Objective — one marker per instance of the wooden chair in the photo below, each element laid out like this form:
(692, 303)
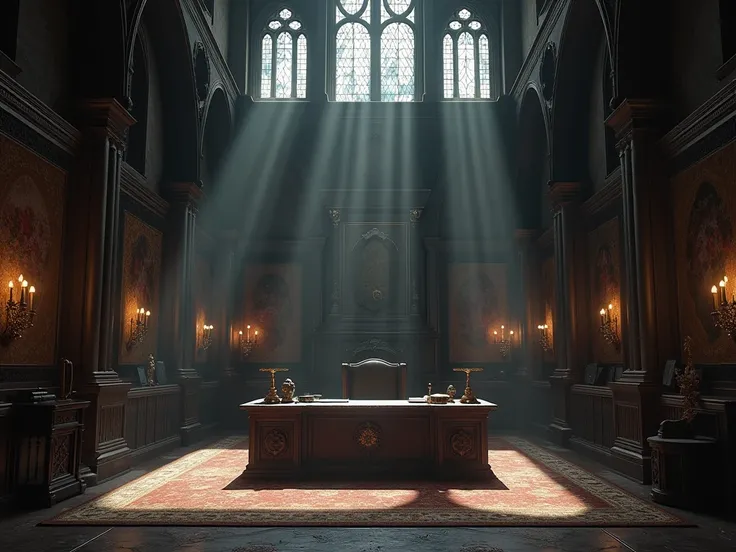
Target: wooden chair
(374, 378)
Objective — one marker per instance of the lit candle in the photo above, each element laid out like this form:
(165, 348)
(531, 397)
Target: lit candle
(610, 311)
(10, 286)
(31, 291)
(23, 291)
(603, 316)
(247, 337)
(503, 332)
(145, 322)
(495, 336)
(511, 336)
(722, 286)
(256, 336)
(714, 291)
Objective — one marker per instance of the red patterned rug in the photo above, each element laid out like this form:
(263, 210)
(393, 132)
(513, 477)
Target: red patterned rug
(535, 488)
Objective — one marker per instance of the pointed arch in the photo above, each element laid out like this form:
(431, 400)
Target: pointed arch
(533, 160)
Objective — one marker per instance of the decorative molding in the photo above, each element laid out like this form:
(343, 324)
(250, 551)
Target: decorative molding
(375, 344)
(37, 116)
(133, 184)
(109, 114)
(561, 193)
(546, 238)
(605, 197)
(204, 29)
(202, 71)
(540, 43)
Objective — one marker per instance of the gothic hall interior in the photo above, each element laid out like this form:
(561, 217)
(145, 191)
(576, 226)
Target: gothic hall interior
(367, 275)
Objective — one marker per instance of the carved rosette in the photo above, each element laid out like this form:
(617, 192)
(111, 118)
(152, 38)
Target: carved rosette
(368, 436)
(461, 443)
(274, 442)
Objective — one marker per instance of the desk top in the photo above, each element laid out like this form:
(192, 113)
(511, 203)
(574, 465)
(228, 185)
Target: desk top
(258, 403)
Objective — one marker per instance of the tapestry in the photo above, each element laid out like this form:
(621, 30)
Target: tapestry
(141, 268)
(547, 283)
(32, 199)
(604, 262)
(533, 487)
(203, 307)
(704, 206)
(273, 306)
(477, 308)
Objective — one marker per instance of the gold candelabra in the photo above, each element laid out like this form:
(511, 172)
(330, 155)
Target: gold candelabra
(504, 343)
(609, 326)
(204, 338)
(19, 314)
(468, 397)
(247, 343)
(544, 341)
(724, 313)
(138, 328)
(272, 397)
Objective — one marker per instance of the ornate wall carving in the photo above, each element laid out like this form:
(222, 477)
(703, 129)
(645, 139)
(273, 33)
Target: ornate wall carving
(32, 202)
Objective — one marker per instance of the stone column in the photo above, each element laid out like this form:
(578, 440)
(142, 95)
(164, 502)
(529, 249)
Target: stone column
(227, 344)
(564, 198)
(526, 301)
(178, 320)
(649, 315)
(91, 298)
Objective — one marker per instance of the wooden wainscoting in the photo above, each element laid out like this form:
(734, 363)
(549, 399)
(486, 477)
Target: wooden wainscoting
(538, 407)
(591, 419)
(209, 404)
(152, 421)
(5, 462)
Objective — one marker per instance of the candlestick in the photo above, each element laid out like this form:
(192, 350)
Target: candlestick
(31, 292)
(713, 290)
(10, 285)
(145, 322)
(23, 292)
(722, 286)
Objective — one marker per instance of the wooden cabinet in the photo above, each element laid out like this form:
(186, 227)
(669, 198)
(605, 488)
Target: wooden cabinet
(46, 449)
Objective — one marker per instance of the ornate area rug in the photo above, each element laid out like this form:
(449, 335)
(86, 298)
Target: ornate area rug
(534, 488)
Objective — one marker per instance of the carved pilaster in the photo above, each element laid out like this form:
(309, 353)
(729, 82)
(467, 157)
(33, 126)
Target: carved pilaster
(178, 316)
(89, 282)
(564, 198)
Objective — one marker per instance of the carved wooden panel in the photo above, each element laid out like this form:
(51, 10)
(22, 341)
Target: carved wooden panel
(209, 402)
(277, 442)
(375, 269)
(61, 455)
(628, 426)
(591, 414)
(110, 425)
(152, 415)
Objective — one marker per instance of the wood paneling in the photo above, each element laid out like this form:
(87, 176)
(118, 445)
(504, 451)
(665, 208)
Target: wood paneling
(209, 402)
(4, 450)
(153, 419)
(592, 414)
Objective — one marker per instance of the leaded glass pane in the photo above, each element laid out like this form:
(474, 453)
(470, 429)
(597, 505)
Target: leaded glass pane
(455, 25)
(449, 66)
(398, 6)
(301, 67)
(465, 66)
(295, 25)
(463, 14)
(284, 56)
(484, 66)
(397, 63)
(352, 7)
(384, 12)
(274, 25)
(475, 25)
(266, 53)
(352, 63)
(285, 14)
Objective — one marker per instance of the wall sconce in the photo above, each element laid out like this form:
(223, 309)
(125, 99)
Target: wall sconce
(18, 314)
(724, 313)
(544, 341)
(609, 327)
(138, 328)
(204, 338)
(247, 344)
(504, 343)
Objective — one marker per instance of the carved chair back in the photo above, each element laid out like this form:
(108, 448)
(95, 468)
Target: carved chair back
(374, 378)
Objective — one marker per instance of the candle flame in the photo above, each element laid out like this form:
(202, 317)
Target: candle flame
(603, 311)
(25, 283)
(148, 313)
(240, 332)
(610, 306)
(10, 284)
(20, 278)
(32, 290)
(722, 283)
(714, 289)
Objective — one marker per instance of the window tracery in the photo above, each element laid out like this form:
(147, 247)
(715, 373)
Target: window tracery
(466, 58)
(283, 58)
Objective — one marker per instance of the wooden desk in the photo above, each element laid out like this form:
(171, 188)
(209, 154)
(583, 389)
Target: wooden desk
(367, 439)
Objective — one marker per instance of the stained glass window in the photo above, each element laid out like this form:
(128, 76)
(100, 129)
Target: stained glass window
(375, 55)
(283, 58)
(466, 58)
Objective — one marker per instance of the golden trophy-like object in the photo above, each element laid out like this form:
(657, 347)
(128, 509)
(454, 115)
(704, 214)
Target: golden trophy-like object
(273, 397)
(468, 397)
(451, 391)
(287, 388)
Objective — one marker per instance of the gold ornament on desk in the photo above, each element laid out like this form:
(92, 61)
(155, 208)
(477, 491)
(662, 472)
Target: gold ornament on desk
(451, 392)
(724, 313)
(19, 314)
(288, 388)
(609, 326)
(273, 397)
(468, 397)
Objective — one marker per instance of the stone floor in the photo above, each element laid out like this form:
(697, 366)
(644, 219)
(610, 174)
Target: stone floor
(20, 533)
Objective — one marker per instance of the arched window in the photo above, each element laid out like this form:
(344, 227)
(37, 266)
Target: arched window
(375, 56)
(283, 58)
(466, 58)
